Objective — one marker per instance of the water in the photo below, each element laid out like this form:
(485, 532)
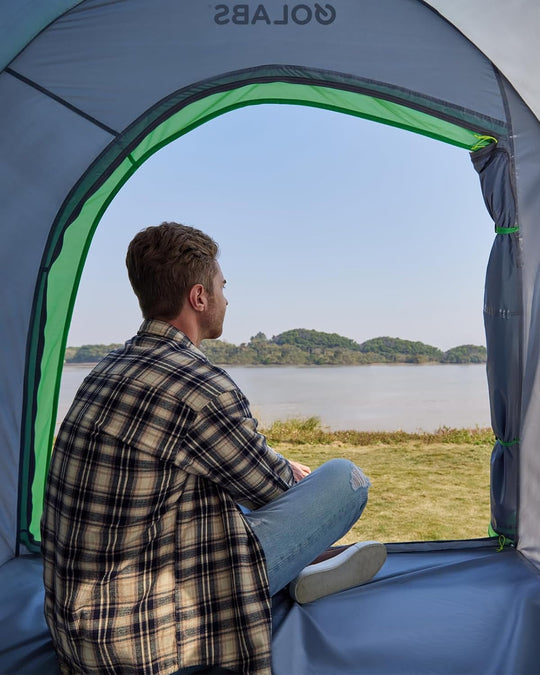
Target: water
(366, 398)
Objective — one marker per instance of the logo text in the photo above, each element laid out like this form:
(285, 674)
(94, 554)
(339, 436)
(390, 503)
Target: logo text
(245, 15)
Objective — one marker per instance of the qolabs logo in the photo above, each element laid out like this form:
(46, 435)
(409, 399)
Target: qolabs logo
(245, 15)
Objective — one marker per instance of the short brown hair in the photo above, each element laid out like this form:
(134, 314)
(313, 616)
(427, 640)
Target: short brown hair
(164, 262)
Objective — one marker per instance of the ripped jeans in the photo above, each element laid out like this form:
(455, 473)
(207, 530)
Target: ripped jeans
(307, 519)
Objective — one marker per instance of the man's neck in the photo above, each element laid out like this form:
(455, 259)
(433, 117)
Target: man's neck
(189, 328)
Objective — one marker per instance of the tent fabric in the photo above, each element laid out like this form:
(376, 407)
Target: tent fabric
(526, 151)
(506, 32)
(23, 20)
(449, 611)
(434, 608)
(515, 51)
(67, 59)
(503, 317)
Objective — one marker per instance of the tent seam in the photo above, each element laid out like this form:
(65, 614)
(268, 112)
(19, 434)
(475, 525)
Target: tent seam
(61, 101)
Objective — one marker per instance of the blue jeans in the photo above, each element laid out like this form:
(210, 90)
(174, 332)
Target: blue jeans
(307, 519)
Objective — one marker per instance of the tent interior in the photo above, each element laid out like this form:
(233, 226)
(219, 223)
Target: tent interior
(458, 607)
(87, 98)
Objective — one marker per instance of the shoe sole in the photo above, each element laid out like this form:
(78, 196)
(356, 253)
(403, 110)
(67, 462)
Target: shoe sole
(355, 566)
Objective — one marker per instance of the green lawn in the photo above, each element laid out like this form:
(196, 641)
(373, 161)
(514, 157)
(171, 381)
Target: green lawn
(424, 486)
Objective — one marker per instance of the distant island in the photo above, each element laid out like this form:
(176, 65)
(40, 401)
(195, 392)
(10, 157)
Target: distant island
(304, 347)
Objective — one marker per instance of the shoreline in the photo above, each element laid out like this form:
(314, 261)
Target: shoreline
(310, 431)
(391, 364)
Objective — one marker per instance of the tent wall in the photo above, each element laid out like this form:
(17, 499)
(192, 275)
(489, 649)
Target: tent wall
(526, 141)
(94, 78)
(52, 145)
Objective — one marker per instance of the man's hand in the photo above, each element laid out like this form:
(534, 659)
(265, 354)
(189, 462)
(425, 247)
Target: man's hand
(299, 470)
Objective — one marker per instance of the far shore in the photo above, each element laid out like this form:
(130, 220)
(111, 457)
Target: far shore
(91, 364)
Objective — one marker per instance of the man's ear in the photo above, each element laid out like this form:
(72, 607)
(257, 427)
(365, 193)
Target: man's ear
(198, 298)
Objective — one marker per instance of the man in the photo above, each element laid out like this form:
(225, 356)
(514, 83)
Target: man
(151, 566)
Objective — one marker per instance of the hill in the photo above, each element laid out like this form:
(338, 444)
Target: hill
(302, 346)
(314, 339)
(398, 350)
(310, 347)
(465, 354)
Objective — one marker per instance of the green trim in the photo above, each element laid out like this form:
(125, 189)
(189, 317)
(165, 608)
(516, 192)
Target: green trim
(73, 231)
(59, 312)
(506, 230)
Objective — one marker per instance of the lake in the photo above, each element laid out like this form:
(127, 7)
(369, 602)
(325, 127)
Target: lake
(366, 398)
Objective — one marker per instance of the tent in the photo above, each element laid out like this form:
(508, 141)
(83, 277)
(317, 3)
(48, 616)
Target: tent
(89, 89)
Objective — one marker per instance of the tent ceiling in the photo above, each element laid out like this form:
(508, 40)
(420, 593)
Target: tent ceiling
(21, 21)
(506, 31)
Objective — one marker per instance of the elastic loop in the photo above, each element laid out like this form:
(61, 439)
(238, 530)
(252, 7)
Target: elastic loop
(502, 540)
(483, 141)
(507, 444)
(506, 230)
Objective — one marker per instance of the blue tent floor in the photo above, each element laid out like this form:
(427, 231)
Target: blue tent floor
(437, 608)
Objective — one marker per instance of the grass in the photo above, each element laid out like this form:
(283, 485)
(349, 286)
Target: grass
(425, 486)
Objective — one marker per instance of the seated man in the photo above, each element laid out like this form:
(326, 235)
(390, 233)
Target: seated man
(150, 564)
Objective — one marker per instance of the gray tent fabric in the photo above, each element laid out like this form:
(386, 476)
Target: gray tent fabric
(445, 608)
(503, 322)
(23, 20)
(440, 611)
(89, 89)
(506, 33)
(526, 151)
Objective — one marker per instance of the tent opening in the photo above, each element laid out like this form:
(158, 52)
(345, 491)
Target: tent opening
(70, 240)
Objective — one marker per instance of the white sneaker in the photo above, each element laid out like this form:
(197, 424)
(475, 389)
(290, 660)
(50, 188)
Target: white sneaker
(356, 565)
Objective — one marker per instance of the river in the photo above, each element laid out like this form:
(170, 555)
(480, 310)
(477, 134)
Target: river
(366, 398)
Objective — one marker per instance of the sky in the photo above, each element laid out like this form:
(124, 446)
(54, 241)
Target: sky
(325, 221)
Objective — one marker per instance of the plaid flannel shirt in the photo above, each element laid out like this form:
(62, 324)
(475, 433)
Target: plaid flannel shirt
(149, 564)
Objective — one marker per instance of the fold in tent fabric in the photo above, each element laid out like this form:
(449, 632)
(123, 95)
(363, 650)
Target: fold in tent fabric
(433, 608)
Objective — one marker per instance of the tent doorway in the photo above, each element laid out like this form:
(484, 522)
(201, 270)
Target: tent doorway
(294, 182)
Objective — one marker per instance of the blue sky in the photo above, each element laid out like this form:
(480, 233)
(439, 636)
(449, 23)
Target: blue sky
(324, 221)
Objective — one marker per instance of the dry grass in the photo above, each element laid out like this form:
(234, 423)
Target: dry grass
(309, 431)
(425, 486)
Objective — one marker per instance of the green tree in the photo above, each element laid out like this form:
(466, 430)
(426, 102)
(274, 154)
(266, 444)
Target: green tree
(405, 351)
(259, 337)
(313, 339)
(466, 354)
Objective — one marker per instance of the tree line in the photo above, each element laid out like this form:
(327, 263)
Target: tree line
(301, 347)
